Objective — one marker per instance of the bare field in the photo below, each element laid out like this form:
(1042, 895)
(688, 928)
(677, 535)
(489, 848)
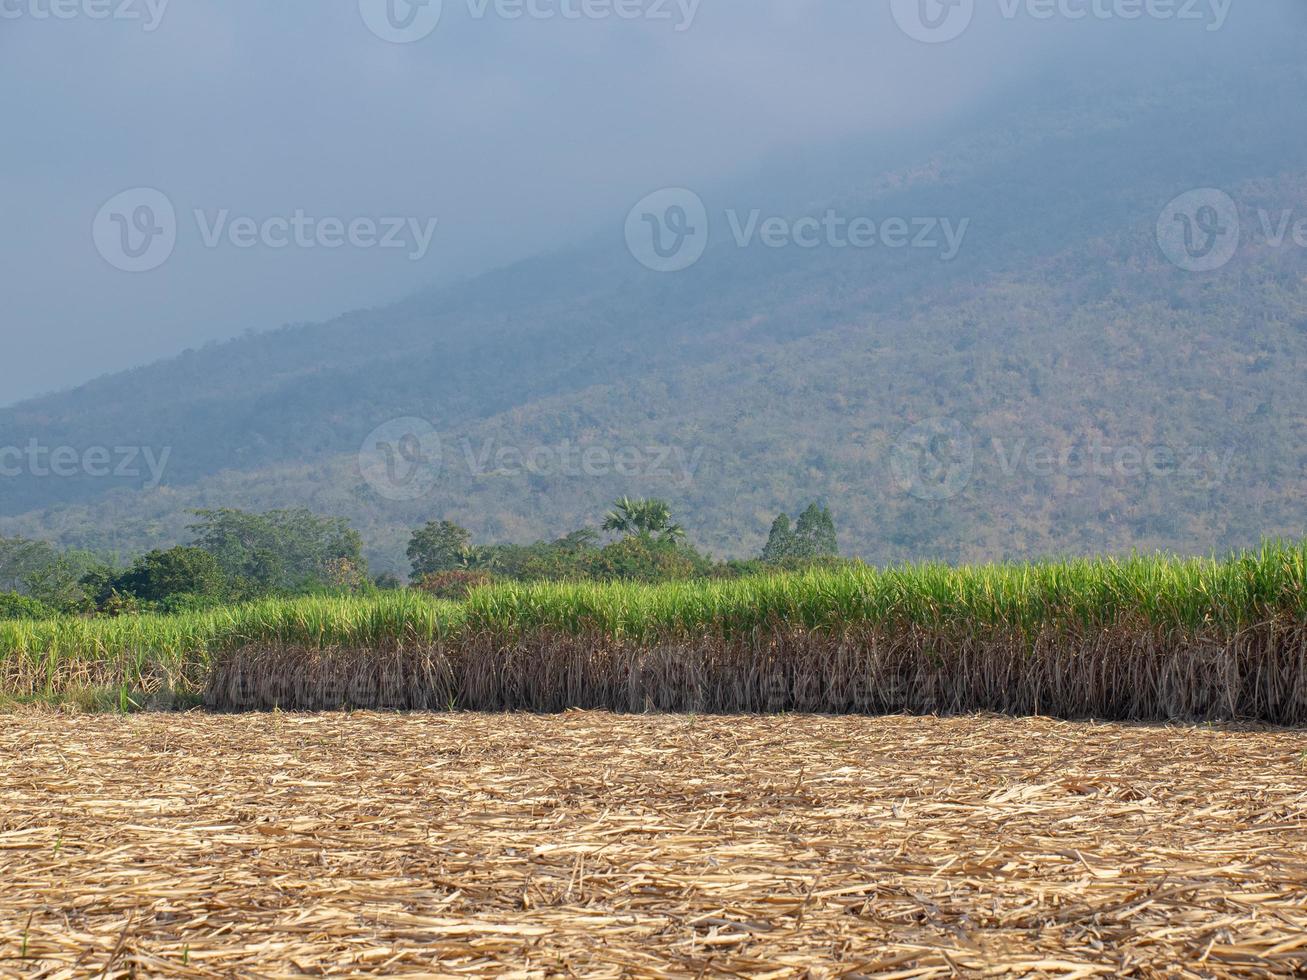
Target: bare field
(592, 845)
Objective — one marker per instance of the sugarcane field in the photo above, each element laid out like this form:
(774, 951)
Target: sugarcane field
(653, 489)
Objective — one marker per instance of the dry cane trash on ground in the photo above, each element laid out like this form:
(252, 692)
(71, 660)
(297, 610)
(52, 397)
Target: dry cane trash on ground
(587, 844)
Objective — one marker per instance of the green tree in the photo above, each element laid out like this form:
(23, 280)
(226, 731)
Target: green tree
(160, 575)
(814, 534)
(40, 570)
(477, 558)
(811, 538)
(581, 539)
(643, 518)
(780, 542)
(439, 546)
(70, 583)
(565, 558)
(20, 558)
(279, 551)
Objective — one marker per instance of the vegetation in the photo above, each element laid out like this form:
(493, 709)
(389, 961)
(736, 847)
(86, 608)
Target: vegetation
(454, 585)
(646, 519)
(282, 551)
(164, 659)
(161, 576)
(1059, 326)
(234, 557)
(275, 609)
(811, 539)
(440, 546)
(15, 606)
(1143, 637)
(650, 546)
(63, 580)
(238, 557)
(1092, 594)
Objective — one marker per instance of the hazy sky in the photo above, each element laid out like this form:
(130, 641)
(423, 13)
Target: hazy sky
(515, 125)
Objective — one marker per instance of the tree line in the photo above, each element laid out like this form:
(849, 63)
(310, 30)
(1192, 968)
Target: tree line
(235, 556)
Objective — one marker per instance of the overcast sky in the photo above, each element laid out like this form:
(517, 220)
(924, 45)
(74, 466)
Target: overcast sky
(514, 134)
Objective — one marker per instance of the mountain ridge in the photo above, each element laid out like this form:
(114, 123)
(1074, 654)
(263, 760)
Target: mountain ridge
(585, 345)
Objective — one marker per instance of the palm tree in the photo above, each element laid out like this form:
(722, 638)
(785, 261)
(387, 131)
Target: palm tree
(586, 537)
(644, 518)
(477, 559)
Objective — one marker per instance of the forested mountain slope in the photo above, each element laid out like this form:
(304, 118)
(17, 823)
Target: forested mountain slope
(1056, 347)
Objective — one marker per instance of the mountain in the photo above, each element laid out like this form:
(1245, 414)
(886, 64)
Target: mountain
(1058, 386)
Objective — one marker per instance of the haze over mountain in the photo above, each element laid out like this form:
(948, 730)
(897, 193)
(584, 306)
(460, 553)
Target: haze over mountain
(493, 125)
(1020, 368)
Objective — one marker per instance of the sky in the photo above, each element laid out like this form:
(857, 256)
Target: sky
(176, 172)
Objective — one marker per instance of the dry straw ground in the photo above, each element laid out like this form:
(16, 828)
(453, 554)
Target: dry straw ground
(591, 845)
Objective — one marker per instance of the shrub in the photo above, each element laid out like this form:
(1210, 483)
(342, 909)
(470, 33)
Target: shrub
(181, 603)
(454, 586)
(15, 606)
(119, 604)
(645, 559)
(388, 582)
